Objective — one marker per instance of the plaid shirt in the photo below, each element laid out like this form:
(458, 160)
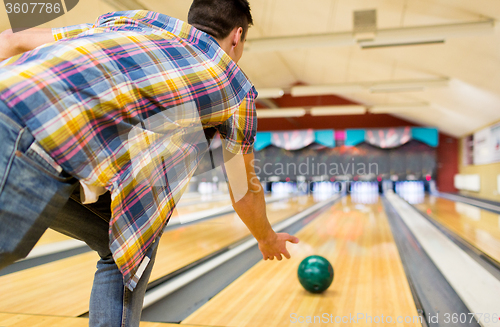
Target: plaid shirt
(122, 104)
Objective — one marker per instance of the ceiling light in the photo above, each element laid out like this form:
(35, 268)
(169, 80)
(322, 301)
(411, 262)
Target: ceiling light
(382, 45)
(384, 86)
(433, 33)
(326, 89)
(394, 108)
(279, 113)
(271, 93)
(338, 110)
(413, 85)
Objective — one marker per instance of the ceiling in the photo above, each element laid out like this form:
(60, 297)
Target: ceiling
(471, 64)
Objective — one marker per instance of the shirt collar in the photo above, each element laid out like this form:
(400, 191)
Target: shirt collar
(155, 20)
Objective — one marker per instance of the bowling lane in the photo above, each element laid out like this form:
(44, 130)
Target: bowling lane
(479, 227)
(203, 202)
(185, 245)
(63, 287)
(51, 236)
(186, 206)
(19, 320)
(203, 205)
(369, 278)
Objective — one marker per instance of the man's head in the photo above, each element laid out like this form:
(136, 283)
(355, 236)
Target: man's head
(226, 20)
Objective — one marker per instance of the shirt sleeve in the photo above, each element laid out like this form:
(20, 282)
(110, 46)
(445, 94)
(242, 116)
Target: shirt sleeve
(67, 32)
(238, 132)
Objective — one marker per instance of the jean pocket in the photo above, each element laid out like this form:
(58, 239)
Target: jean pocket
(42, 162)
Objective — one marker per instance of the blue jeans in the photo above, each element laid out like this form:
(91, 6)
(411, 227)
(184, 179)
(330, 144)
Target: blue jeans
(35, 196)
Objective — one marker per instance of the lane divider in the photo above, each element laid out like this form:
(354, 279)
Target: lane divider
(190, 217)
(210, 199)
(47, 249)
(476, 203)
(478, 289)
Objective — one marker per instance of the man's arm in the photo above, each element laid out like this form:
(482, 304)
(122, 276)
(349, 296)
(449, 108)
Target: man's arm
(12, 44)
(247, 196)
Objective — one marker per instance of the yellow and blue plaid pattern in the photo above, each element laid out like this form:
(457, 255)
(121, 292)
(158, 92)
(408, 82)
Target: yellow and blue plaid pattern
(104, 102)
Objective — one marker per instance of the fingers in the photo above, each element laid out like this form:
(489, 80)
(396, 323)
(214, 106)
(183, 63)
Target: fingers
(289, 238)
(267, 257)
(278, 256)
(278, 250)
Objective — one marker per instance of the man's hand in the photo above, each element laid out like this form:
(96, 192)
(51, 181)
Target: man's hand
(275, 246)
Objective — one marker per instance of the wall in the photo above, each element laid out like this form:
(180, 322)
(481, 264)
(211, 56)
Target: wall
(329, 122)
(447, 163)
(487, 173)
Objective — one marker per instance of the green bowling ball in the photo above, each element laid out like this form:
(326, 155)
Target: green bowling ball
(315, 274)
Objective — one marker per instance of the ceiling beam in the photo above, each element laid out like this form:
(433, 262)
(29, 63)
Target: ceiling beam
(375, 87)
(399, 108)
(340, 110)
(383, 37)
(337, 110)
(270, 93)
(281, 113)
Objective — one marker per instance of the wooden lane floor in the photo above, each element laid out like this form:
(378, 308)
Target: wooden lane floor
(479, 227)
(206, 198)
(188, 244)
(51, 236)
(202, 205)
(22, 320)
(369, 279)
(63, 287)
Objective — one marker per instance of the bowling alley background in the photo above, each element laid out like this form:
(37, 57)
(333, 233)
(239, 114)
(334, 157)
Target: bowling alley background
(444, 160)
(356, 98)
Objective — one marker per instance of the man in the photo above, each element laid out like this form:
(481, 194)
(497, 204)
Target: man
(122, 106)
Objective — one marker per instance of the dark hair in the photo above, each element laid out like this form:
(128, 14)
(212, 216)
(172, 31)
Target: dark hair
(219, 17)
